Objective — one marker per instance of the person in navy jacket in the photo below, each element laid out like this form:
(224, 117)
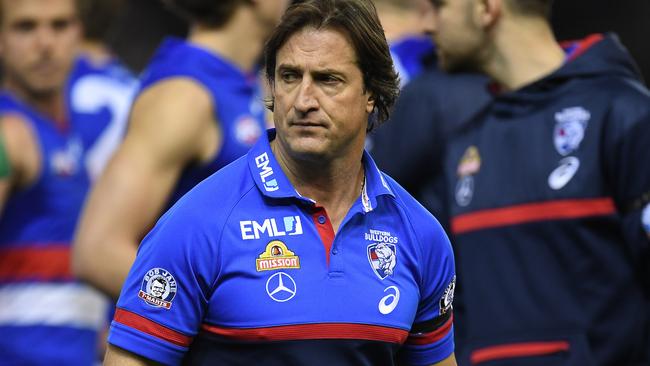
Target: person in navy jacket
(546, 191)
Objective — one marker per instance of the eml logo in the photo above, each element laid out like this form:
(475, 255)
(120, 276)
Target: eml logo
(250, 229)
(266, 171)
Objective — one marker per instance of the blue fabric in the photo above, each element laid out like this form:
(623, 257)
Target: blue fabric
(211, 246)
(236, 95)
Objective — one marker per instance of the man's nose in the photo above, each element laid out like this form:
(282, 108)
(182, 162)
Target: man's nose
(45, 38)
(306, 99)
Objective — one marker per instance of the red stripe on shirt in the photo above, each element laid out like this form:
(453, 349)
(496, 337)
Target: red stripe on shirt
(506, 351)
(432, 337)
(35, 263)
(325, 230)
(313, 331)
(135, 321)
(520, 214)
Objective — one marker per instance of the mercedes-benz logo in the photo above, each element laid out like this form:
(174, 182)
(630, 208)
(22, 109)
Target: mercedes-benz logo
(281, 287)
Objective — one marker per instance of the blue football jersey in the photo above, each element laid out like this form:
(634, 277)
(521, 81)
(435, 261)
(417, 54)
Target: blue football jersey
(245, 270)
(238, 104)
(46, 316)
(99, 100)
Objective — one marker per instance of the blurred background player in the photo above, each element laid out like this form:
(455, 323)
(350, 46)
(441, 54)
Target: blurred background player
(46, 316)
(100, 87)
(406, 25)
(545, 192)
(199, 108)
(431, 106)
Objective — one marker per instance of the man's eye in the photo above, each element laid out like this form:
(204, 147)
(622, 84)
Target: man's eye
(60, 25)
(289, 76)
(24, 26)
(328, 79)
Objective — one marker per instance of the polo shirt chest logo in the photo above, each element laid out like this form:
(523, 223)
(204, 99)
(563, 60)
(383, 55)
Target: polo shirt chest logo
(469, 165)
(570, 129)
(382, 254)
(270, 228)
(277, 256)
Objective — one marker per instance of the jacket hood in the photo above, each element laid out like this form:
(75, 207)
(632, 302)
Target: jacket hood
(596, 56)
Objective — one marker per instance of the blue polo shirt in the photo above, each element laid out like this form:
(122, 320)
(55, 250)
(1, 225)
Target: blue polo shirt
(245, 270)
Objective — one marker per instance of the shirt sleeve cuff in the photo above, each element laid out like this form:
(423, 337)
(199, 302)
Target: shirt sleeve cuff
(144, 345)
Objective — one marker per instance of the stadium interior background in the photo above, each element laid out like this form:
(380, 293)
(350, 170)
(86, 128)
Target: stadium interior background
(142, 24)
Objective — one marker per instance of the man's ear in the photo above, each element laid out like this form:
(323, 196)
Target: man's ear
(370, 105)
(487, 12)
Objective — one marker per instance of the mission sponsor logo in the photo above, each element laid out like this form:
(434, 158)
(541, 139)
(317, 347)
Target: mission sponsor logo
(277, 256)
(270, 228)
(470, 163)
(266, 173)
(158, 288)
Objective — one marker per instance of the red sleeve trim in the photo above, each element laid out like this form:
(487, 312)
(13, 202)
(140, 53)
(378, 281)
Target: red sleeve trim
(312, 331)
(532, 212)
(135, 321)
(506, 351)
(432, 337)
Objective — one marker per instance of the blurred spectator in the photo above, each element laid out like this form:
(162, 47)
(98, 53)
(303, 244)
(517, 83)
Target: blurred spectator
(199, 108)
(430, 109)
(100, 87)
(406, 24)
(545, 192)
(46, 316)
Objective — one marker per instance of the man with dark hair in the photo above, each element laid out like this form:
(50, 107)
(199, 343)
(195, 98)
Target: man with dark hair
(199, 108)
(47, 317)
(545, 191)
(364, 274)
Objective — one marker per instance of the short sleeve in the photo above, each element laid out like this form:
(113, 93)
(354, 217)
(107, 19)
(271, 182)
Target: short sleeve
(431, 338)
(162, 303)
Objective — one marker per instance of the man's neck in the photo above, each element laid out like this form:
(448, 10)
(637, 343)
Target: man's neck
(524, 51)
(334, 185)
(227, 41)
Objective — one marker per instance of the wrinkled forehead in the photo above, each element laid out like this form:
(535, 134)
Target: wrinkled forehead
(323, 47)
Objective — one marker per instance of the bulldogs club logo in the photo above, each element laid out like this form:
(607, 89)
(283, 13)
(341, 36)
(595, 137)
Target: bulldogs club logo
(570, 129)
(158, 288)
(382, 258)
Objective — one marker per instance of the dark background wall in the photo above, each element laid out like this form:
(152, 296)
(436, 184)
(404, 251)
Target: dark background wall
(630, 19)
(143, 23)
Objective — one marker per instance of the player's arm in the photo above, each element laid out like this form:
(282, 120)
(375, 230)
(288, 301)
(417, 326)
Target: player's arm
(116, 356)
(449, 361)
(20, 156)
(171, 125)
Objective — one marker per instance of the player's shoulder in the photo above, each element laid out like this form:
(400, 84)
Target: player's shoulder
(420, 219)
